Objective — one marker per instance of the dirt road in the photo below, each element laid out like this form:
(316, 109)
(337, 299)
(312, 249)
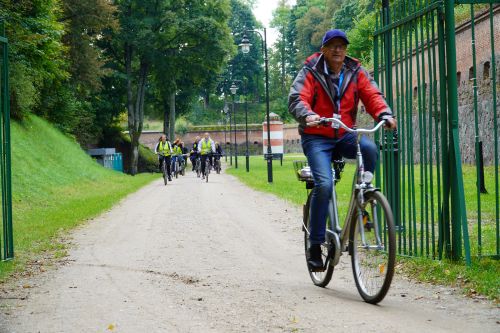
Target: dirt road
(214, 257)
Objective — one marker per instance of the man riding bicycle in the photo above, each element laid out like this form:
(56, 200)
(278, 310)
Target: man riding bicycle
(164, 151)
(331, 84)
(194, 152)
(206, 147)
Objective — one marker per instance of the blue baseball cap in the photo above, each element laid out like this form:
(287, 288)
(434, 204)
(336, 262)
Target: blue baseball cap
(335, 33)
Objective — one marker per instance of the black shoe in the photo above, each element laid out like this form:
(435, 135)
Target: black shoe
(315, 260)
(169, 178)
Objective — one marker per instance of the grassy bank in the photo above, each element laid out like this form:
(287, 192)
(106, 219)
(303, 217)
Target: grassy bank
(55, 187)
(483, 277)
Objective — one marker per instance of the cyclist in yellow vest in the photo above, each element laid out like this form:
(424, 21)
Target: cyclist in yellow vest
(206, 147)
(164, 151)
(177, 151)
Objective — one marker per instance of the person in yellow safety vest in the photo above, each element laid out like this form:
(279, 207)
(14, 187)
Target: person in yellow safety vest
(164, 151)
(206, 147)
(177, 151)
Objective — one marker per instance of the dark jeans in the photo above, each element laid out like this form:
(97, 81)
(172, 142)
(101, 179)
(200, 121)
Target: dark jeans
(193, 158)
(167, 163)
(318, 150)
(203, 161)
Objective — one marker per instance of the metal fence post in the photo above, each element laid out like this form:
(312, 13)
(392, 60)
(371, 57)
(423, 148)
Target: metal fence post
(8, 238)
(458, 212)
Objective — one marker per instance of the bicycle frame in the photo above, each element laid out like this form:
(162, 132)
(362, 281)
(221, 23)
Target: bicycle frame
(340, 236)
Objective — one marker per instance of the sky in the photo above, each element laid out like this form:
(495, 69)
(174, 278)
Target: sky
(263, 12)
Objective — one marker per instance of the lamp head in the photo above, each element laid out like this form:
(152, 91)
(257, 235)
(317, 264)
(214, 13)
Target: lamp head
(245, 44)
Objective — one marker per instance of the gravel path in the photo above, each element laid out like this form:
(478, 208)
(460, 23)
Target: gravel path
(214, 257)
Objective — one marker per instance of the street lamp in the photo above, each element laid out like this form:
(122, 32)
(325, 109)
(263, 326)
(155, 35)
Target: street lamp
(245, 48)
(233, 90)
(226, 109)
(224, 118)
(247, 155)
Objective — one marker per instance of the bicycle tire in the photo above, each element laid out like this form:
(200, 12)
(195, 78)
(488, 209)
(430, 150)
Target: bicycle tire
(320, 279)
(207, 170)
(373, 269)
(164, 171)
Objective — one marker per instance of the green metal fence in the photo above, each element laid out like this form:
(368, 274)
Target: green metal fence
(429, 173)
(6, 237)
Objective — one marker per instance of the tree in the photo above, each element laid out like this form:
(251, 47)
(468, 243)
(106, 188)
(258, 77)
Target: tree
(144, 24)
(37, 58)
(192, 59)
(281, 17)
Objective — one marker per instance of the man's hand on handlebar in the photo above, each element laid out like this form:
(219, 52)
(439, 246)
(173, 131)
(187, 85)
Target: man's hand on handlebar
(312, 120)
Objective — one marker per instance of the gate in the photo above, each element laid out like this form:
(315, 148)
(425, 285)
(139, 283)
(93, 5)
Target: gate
(6, 237)
(423, 166)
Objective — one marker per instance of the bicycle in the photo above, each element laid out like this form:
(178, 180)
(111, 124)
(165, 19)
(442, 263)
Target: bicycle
(182, 164)
(198, 166)
(164, 170)
(208, 166)
(217, 164)
(175, 165)
(372, 254)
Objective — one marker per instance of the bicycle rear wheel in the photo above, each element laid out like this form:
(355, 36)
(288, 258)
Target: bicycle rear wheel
(373, 261)
(320, 279)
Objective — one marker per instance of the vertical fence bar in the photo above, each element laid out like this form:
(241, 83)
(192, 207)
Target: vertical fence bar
(436, 127)
(476, 128)
(444, 229)
(493, 78)
(459, 215)
(401, 126)
(5, 155)
(429, 183)
(398, 60)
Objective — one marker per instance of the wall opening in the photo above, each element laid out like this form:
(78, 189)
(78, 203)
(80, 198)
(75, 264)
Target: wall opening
(486, 71)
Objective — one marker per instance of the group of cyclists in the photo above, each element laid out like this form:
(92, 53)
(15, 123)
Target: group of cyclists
(202, 149)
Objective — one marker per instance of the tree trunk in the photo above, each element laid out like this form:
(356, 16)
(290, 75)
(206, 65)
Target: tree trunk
(166, 115)
(134, 153)
(171, 132)
(135, 110)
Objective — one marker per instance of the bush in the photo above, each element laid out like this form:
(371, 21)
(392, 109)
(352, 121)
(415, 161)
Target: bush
(114, 138)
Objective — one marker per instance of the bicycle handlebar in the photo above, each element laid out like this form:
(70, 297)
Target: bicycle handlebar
(325, 121)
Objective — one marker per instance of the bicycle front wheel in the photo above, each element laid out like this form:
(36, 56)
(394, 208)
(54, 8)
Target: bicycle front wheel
(320, 279)
(373, 258)
(165, 176)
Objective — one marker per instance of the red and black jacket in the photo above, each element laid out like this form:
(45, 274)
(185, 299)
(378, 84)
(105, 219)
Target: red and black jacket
(310, 94)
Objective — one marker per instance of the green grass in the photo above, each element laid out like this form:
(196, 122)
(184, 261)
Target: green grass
(56, 186)
(484, 274)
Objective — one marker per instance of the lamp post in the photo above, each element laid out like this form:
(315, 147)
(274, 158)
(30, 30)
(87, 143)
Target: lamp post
(247, 154)
(230, 143)
(233, 90)
(224, 118)
(245, 48)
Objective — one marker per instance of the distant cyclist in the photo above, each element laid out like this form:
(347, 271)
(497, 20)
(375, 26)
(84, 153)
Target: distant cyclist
(194, 152)
(218, 151)
(177, 151)
(164, 151)
(206, 147)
